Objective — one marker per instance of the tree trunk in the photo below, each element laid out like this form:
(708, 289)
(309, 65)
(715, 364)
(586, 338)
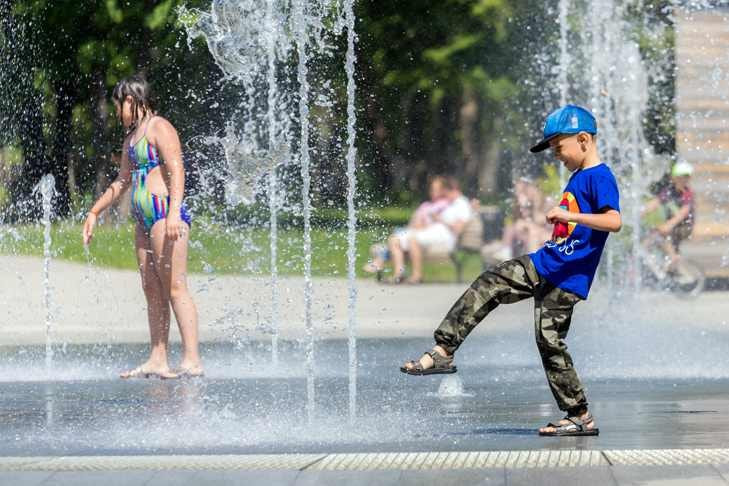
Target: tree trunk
(488, 177)
(468, 121)
(58, 165)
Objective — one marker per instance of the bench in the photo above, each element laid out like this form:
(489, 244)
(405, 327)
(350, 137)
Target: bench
(486, 225)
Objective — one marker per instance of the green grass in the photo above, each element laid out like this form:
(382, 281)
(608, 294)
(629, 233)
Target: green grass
(220, 250)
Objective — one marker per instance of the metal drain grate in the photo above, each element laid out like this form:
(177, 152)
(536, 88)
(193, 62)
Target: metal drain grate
(190, 463)
(373, 461)
(459, 460)
(668, 457)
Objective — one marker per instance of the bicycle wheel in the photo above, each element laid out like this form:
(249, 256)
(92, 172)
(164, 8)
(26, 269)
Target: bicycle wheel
(690, 281)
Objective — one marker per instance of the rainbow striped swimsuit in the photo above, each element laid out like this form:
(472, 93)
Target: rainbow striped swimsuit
(148, 208)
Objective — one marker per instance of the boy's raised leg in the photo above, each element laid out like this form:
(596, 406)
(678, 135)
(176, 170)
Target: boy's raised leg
(509, 282)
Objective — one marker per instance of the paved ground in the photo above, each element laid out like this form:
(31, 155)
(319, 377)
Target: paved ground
(92, 305)
(655, 367)
(686, 474)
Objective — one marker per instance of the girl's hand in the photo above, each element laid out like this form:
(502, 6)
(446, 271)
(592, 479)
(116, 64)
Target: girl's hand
(174, 227)
(558, 215)
(88, 231)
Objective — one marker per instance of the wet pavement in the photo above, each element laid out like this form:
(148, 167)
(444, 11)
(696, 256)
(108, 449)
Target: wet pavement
(246, 406)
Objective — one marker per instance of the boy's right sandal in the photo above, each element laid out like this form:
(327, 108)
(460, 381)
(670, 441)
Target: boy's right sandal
(441, 365)
(576, 428)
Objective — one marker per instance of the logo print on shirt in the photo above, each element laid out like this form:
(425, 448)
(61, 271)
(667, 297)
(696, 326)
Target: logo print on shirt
(562, 231)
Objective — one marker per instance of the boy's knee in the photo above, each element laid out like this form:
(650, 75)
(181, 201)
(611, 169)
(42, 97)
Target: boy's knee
(548, 346)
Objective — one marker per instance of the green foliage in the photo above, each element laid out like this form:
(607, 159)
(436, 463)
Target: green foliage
(422, 65)
(77, 51)
(216, 248)
(550, 183)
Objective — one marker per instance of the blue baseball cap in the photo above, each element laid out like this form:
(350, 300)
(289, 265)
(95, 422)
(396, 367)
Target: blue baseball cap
(570, 119)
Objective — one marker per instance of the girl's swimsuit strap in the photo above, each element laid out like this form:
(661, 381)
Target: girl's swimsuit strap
(144, 135)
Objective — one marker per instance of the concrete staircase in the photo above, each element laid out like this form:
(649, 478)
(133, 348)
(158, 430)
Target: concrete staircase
(702, 129)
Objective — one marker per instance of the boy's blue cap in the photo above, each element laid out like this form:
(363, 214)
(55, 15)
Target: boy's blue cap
(570, 119)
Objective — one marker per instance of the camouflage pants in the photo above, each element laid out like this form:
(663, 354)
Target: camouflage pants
(511, 282)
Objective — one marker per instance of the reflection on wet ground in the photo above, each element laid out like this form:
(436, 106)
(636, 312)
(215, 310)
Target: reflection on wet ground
(244, 406)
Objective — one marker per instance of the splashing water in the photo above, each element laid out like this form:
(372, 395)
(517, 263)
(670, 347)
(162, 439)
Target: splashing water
(351, 210)
(452, 387)
(600, 67)
(254, 48)
(301, 30)
(47, 189)
(271, 6)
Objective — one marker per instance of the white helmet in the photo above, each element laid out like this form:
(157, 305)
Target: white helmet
(682, 168)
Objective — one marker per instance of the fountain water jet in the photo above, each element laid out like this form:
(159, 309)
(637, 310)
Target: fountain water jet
(253, 49)
(600, 66)
(300, 26)
(47, 189)
(352, 214)
(272, 179)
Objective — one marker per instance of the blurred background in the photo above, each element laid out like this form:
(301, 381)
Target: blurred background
(455, 87)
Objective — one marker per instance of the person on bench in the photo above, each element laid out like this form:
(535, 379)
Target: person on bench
(434, 230)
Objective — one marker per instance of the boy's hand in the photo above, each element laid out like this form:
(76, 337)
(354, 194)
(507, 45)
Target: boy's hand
(558, 215)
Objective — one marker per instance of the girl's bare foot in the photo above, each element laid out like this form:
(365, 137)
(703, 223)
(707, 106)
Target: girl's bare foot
(150, 370)
(190, 369)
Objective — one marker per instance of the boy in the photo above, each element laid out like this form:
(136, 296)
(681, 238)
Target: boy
(557, 276)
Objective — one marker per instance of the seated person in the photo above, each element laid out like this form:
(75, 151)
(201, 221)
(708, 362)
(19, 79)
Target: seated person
(422, 217)
(439, 232)
(441, 235)
(527, 231)
(675, 198)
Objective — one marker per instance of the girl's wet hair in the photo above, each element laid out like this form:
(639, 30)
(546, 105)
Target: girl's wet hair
(139, 90)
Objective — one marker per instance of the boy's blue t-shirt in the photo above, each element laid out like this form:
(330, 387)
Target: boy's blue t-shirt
(569, 260)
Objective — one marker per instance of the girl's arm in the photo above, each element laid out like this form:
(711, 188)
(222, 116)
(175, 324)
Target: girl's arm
(610, 220)
(112, 193)
(165, 138)
(117, 188)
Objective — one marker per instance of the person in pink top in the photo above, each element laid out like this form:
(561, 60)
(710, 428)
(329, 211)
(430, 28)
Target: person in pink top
(440, 233)
(424, 216)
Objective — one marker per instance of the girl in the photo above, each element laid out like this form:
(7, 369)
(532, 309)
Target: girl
(152, 165)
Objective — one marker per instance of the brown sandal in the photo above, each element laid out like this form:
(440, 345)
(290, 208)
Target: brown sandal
(576, 427)
(441, 365)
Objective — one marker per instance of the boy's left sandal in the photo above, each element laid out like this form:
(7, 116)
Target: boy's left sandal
(441, 365)
(576, 427)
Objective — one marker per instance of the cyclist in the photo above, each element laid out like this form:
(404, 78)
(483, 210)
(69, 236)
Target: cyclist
(673, 196)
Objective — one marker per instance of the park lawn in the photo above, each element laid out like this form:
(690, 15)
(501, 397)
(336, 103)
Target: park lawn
(219, 250)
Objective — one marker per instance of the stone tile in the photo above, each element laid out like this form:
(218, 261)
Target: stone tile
(350, 478)
(700, 475)
(566, 476)
(23, 478)
(723, 470)
(489, 477)
(171, 478)
(247, 478)
(96, 478)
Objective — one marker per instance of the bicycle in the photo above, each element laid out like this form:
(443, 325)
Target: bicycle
(686, 281)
